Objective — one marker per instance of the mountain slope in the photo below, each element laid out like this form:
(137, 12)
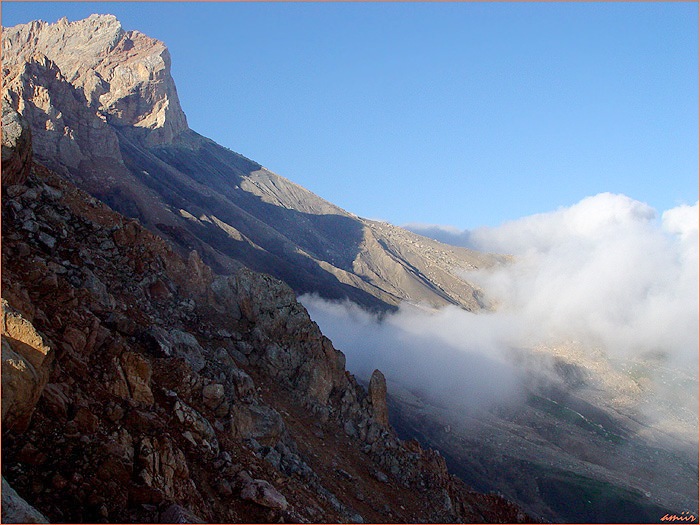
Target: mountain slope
(140, 386)
(104, 111)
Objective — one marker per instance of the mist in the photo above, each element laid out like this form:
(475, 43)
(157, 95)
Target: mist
(607, 276)
(448, 356)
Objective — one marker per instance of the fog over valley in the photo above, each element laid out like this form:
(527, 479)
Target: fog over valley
(598, 306)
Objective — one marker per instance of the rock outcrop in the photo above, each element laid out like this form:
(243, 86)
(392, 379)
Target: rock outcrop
(26, 362)
(377, 397)
(16, 146)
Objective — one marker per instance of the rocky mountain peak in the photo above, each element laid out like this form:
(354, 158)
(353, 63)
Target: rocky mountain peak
(124, 75)
(72, 45)
(104, 113)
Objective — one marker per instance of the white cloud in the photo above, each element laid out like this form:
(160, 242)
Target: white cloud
(603, 272)
(682, 221)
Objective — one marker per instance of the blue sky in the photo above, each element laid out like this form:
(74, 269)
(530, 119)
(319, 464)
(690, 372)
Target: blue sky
(462, 114)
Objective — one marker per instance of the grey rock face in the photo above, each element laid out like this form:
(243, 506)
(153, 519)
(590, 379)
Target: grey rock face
(16, 146)
(68, 135)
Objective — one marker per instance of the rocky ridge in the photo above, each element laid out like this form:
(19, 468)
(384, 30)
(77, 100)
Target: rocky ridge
(104, 112)
(182, 394)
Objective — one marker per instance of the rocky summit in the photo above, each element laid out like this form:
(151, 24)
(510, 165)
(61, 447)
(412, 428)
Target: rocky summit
(141, 383)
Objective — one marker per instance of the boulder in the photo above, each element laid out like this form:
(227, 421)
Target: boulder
(213, 395)
(262, 493)
(26, 365)
(175, 343)
(258, 422)
(242, 382)
(196, 423)
(160, 464)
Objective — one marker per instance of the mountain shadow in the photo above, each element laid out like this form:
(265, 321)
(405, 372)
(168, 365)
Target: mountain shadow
(199, 183)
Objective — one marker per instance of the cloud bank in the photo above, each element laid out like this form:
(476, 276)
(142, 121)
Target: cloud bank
(606, 273)
(603, 272)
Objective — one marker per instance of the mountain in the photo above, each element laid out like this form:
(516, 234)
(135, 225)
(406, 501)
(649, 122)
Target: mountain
(141, 386)
(138, 336)
(105, 114)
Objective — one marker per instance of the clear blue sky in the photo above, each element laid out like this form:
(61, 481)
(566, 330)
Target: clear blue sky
(462, 114)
